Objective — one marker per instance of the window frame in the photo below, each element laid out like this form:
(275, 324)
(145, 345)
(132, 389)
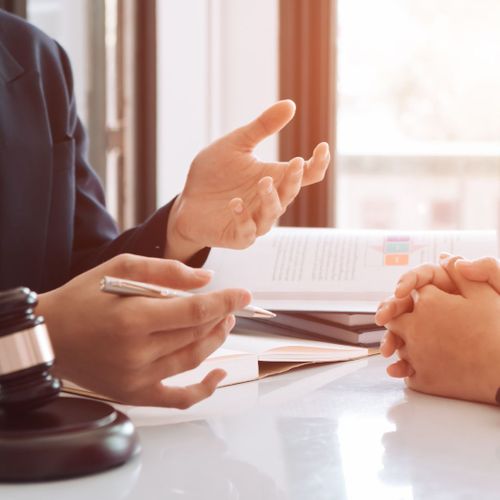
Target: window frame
(17, 7)
(308, 74)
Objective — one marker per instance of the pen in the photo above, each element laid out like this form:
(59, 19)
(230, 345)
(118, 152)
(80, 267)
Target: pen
(120, 286)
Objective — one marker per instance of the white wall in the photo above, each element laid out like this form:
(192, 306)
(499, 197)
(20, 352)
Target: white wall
(217, 69)
(249, 63)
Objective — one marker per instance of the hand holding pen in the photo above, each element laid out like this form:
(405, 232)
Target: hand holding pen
(123, 348)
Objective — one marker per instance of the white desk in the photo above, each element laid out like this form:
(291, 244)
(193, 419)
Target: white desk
(330, 432)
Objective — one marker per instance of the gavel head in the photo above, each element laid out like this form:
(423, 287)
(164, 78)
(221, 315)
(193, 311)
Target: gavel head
(43, 436)
(26, 354)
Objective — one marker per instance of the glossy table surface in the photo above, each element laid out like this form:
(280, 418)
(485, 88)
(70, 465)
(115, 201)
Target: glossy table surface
(343, 431)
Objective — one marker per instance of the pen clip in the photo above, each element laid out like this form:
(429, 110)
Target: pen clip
(129, 287)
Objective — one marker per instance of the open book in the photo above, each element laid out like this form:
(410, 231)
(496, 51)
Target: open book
(333, 270)
(251, 356)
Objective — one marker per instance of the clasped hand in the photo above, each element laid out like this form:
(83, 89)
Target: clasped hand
(443, 323)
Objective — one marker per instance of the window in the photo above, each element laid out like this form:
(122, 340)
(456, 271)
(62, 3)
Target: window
(67, 22)
(418, 116)
(112, 50)
(79, 27)
(214, 74)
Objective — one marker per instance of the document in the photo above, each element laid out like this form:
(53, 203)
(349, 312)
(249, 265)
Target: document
(334, 270)
(251, 356)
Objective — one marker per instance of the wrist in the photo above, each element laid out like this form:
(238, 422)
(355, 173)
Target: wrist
(47, 308)
(179, 245)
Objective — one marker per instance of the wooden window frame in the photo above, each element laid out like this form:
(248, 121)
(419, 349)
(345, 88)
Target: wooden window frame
(17, 7)
(307, 74)
(135, 135)
(145, 104)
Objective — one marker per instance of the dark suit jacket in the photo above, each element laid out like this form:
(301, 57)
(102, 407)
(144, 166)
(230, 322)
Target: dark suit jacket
(53, 220)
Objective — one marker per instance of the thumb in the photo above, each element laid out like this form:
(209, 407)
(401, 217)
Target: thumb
(466, 288)
(162, 272)
(486, 269)
(271, 121)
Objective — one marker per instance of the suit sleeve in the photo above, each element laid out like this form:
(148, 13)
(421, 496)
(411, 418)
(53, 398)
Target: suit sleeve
(96, 237)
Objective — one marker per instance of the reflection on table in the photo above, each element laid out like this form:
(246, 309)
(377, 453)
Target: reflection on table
(329, 432)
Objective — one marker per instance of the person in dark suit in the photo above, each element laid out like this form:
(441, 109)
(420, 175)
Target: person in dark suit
(54, 228)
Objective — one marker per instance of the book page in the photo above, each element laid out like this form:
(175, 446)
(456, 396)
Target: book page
(241, 366)
(320, 269)
(269, 347)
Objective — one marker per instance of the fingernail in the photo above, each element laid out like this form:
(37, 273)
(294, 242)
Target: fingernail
(203, 273)
(269, 187)
(380, 313)
(230, 321)
(245, 297)
(397, 291)
(382, 309)
(382, 346)
(444, 260)
(238, 207)
(414, 295)
(326, 151)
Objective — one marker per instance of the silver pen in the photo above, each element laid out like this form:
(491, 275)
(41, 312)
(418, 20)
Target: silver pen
(122, 286)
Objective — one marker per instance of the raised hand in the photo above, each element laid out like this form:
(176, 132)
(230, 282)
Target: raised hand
(231, 197)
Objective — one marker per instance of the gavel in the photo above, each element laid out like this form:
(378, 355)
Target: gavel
(43, 435)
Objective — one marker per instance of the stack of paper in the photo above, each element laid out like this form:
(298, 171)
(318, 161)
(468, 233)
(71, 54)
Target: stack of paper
(353, 328)
(328, 282)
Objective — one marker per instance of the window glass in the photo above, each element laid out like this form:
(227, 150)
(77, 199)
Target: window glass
(67, 22)
(91, 44)
(418, 114)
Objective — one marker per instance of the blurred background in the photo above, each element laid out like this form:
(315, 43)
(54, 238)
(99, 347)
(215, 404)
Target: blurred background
(406, 93)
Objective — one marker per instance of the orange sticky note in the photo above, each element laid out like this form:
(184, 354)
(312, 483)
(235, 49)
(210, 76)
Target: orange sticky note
(396, 259)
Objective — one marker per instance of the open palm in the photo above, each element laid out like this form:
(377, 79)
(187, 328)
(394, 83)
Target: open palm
(230, 196)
